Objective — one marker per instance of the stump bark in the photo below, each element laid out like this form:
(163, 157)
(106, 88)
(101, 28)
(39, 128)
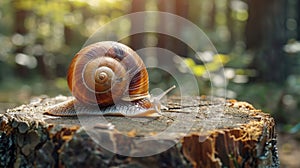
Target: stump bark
(193, 132)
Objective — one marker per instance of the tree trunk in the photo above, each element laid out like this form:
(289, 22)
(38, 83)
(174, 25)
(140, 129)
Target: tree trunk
(167, 42)
(212, 16)
(19, 28)
(231, 25)
(197, 131)
(138, 22)
(181, 9)
(266, 36)
(298, 20)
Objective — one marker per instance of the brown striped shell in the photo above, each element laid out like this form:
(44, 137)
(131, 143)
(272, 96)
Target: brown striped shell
(105, 72)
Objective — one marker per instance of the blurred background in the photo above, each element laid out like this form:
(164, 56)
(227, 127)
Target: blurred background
(258, 44)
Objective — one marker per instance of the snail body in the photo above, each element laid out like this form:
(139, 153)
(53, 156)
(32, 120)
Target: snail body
(108, 78)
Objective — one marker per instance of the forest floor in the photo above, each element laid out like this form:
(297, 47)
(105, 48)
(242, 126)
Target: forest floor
(289, 150)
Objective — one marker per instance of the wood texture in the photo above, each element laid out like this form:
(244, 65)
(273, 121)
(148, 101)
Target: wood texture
(194, 132)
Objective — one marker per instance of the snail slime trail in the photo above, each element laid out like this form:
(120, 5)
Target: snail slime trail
(104, 73)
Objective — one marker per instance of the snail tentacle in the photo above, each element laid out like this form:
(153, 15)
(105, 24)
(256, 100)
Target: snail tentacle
(156, 100)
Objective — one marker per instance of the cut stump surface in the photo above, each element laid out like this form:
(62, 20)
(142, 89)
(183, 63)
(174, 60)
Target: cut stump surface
(193, 132)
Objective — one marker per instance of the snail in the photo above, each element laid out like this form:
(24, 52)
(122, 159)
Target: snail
(108, 78)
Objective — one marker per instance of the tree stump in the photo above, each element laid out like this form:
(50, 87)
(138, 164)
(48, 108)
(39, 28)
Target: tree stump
(193, 132)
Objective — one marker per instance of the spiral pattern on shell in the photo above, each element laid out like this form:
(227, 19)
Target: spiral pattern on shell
(105, 72)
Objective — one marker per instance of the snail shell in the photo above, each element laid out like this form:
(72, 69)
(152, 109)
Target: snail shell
(111, 76)
(105, 72)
